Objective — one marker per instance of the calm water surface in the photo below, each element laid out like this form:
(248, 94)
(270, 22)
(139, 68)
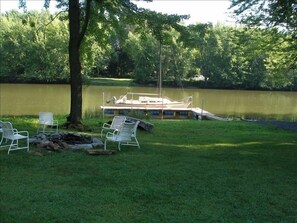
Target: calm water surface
(29, 99)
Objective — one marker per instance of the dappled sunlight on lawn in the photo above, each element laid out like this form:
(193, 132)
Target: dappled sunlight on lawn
(207, 146)
(288, 144)
(227, 145)
(215, 145)
(220, 145)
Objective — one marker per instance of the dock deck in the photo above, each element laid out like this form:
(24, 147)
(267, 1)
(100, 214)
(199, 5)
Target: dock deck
(165, 113)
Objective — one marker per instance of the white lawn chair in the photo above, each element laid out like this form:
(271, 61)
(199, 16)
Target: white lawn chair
(47, 123)
(1, 131)
(117, 121)
(125, 135)
(9, 133)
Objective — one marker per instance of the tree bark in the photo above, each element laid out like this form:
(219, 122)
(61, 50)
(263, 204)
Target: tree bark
(75, 116)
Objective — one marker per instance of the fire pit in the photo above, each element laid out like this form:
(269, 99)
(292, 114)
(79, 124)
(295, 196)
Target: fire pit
(64, 141)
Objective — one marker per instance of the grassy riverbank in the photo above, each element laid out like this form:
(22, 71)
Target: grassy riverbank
(111, 82)
(185, 171)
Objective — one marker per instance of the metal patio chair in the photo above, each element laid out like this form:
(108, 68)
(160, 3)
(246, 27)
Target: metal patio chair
(117, 121)
(125, 135)
(1, 132)
(47, 123)
(13, 135)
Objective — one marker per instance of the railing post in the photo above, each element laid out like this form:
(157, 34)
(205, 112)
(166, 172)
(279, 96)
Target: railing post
(202, 104)
(103, 105)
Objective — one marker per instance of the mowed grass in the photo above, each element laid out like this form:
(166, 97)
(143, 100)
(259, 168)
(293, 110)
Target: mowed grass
(185, 171)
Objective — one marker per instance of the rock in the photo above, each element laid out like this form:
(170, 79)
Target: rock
(97, 142)
(42, 136)
(34, 140)
(43, 144)
(56, 136)
(94, 145)
(99, 152)
(81, 146)
(63, 145)
(59, 141)
(72, 147)
(53, 146)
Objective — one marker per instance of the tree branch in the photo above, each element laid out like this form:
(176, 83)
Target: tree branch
(86, 21)
(50, 21)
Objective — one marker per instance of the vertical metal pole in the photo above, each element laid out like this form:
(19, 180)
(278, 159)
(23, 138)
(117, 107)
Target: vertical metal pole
(202, 104)
(103, 105)
(160, 76)
(160, 69)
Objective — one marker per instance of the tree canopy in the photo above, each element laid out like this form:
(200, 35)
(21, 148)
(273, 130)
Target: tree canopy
(201, 55)
(273, 13)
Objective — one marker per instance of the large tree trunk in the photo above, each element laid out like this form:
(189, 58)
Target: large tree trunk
(75, 116)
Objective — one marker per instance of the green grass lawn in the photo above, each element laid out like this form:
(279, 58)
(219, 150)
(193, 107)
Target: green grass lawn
(185, 171)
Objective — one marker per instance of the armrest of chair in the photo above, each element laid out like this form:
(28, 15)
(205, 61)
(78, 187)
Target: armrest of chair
(110, 134)
(21, 132)
(55, 122)
(106, 125)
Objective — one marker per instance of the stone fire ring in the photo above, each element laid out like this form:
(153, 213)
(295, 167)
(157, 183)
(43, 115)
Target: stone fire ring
(64, 141)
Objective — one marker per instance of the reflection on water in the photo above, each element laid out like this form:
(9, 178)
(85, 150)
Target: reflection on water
(29, 99)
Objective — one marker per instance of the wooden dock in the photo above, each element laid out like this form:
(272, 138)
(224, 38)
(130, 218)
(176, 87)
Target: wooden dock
(206, 115)
(161, 113)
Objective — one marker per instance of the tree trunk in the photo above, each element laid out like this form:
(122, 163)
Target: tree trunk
(75, 117)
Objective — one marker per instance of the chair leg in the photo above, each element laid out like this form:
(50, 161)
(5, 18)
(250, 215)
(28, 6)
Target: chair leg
(10, 146)
(105, 144)
(119, 146)
(28, 147)
(15, 143)
(40, 128)
(137, 143)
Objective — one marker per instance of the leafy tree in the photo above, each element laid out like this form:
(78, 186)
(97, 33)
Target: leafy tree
(177, 61)
(144, 52)
(153, 56)
(160, 26)
(273, 13)
(79, 15)
(211, 54)
(248, 58)
(37, 53)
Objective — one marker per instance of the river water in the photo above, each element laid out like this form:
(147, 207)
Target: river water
(29, 99)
